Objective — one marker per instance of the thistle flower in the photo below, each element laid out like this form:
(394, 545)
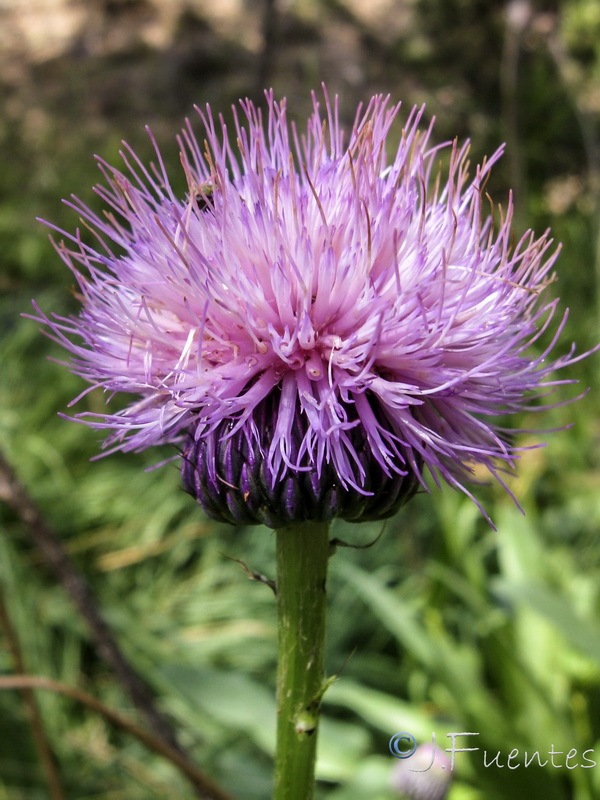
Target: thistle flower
(426, 775)
(316, 324)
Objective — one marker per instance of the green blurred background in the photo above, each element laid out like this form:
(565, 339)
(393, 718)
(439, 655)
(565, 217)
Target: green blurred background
(444, 624)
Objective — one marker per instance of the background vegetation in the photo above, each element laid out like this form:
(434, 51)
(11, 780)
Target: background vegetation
(443, 624)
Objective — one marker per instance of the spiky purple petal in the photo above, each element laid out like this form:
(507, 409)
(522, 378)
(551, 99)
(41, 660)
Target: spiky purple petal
(364, 300)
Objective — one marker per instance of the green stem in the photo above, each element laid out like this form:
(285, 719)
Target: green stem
(302, 555)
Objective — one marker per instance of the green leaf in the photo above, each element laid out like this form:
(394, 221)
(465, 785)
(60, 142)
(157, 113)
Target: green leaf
(582, 633)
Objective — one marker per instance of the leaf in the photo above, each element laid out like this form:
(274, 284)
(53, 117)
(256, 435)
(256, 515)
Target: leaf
(381, 710)
(583, 634)
(235, 701)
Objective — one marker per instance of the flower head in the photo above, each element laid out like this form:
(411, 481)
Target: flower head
(426, 775)
(315, 321)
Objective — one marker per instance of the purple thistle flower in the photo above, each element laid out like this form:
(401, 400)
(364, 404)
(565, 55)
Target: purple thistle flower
(314, 323)
(426, 775)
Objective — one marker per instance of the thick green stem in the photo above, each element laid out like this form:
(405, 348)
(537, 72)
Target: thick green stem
(302, 555)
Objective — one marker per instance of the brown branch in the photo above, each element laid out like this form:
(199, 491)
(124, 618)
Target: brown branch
(40, 739)
(266, 63)
(158, 745)
(59, 562)
(517, 20)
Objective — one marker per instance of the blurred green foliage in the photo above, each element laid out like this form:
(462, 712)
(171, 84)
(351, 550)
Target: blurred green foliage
(443, 624)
